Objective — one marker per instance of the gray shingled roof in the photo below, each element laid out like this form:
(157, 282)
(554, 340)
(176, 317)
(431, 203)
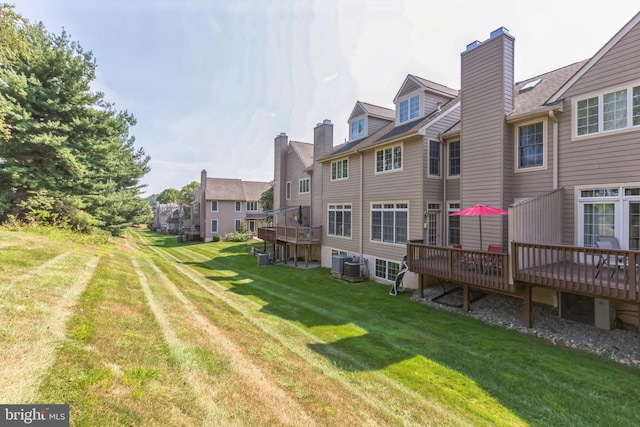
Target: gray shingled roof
(529, 100)
(305, 152)
(234, 189)
(436, 86)
(375, 110)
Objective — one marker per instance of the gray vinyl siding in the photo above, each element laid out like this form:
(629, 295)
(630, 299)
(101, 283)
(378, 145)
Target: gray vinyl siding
(486, 146)
(603, 159)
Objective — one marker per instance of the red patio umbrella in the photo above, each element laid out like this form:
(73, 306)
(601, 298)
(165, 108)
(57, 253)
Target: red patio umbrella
(479, 211)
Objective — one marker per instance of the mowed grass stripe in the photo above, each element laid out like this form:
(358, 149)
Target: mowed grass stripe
(115, 368)
(373, 387)
(195, 372)
(484, 374)
(268, 335)
(253, 382)
(428, 393)
(33, 314)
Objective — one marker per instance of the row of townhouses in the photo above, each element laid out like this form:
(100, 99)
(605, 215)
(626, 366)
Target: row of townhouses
(222, 206)
(560, 152)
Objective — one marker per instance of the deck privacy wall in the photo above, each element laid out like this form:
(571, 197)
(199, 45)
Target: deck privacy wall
(538, 220)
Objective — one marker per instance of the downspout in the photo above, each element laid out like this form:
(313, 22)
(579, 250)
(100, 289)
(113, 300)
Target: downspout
(444, 209)
(554, 119)
(361, 243)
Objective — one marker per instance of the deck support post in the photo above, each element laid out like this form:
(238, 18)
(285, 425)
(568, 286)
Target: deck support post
(465, 298)
(306, 256)
(527, 311)
(295, 255)
(421, 285)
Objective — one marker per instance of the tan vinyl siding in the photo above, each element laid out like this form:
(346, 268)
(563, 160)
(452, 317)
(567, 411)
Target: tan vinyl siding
(486, 148)
(530, 183)
(618, 66)
(345, 191)
(296, 172)
(611, 158)
(398, 187)
(375, 124)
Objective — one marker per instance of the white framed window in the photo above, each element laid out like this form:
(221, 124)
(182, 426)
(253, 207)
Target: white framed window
(608, 111)
(612, 211)
(387, 270)
(195, 208)
(339, 220)
(389, 159)
(214, 206)
(433, 223)
(453, 224)
(338, 252)
(303, 186)
(340, 169)
(409, 109)
(238, 206)
(435, 155)
(288, 190)
(531, 145)
(389, 222)
(454, 158)
(238, 225)
(357, 129)
(252, 206)
(214, 225)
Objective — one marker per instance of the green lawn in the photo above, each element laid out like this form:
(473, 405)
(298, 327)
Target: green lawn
(199, 334)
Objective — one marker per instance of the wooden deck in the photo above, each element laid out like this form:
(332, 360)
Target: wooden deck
(297, 235)
(602, 273)
(587, 271)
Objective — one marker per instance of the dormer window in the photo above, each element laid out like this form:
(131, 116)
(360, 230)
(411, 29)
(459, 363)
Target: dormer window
(409, 108)
(357, 129)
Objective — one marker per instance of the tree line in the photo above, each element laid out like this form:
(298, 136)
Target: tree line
(66, 153)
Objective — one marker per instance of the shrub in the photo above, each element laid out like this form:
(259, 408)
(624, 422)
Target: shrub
(237, 237)
(216, 237)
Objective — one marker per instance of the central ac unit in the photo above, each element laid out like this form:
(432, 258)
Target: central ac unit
(337, 265)
(592, 311)
(352, 272)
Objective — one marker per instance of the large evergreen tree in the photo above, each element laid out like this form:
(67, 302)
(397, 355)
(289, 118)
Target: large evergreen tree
(69, 153)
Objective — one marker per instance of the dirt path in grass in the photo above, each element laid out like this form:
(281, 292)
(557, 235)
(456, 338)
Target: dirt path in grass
(31, 338)
(260, 388)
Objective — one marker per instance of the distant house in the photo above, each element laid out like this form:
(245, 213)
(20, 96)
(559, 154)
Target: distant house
(293, 233)
(166, 217)
(223, 205)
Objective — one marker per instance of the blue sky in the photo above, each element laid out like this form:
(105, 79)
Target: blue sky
(212, 82)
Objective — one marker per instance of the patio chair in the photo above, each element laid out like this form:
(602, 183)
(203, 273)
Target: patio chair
(494, 261)
(617, 262)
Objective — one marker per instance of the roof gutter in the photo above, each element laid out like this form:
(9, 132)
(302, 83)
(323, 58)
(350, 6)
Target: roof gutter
(398, 138)
(536, 113)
